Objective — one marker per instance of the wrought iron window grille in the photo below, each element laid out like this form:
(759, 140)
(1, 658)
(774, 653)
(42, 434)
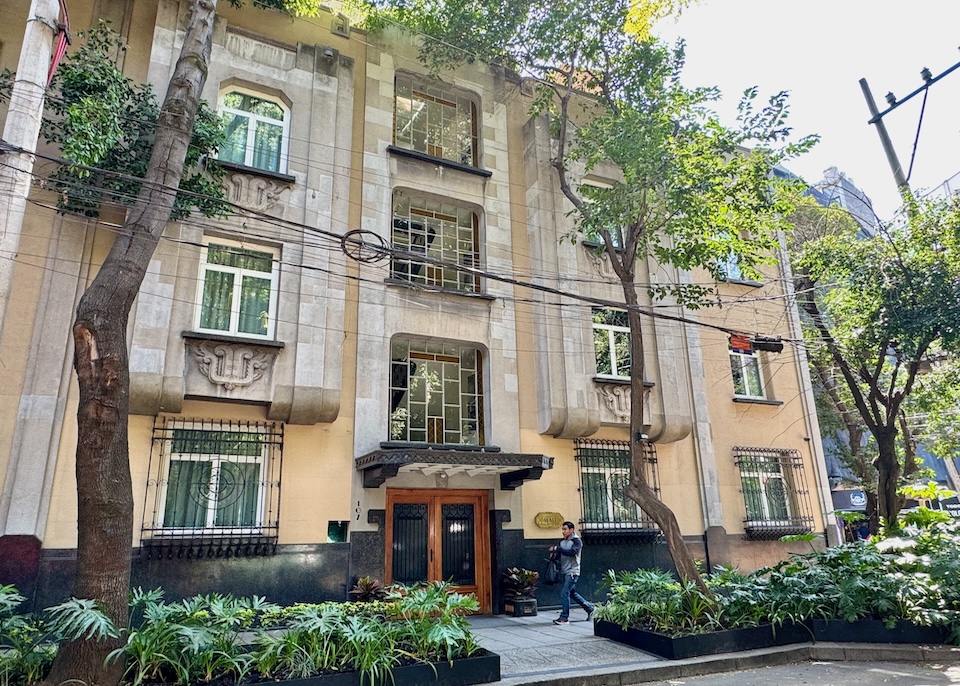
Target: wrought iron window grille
(213, 488)
(775, 494)
(604, 468)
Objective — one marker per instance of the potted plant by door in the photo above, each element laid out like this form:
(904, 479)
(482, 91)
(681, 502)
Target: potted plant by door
(520, 591)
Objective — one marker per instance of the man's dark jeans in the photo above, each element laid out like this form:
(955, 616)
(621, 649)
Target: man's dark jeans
(568, 591)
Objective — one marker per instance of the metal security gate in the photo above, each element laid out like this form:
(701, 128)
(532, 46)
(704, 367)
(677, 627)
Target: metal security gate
(433, 535)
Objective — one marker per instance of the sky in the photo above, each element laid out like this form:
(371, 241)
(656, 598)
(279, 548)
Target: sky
(819, 51)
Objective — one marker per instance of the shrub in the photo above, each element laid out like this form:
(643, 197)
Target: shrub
(914, 575)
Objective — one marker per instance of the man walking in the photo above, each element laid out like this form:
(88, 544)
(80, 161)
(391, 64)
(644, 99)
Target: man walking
(568, 552)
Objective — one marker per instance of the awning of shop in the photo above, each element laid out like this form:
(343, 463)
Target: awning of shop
(393, 459)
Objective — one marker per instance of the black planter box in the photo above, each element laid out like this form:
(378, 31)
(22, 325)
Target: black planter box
(875, 631)
(481, 668)
(520, 607)
(709, 643)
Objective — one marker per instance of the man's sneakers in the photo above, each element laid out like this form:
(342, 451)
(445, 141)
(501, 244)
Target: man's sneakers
(590, 613)
(561, 621)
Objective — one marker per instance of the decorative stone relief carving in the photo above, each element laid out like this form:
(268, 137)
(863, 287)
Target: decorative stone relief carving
(616, 403)
(256, 192)
(232, 365)
(600, 263)
(616, 398)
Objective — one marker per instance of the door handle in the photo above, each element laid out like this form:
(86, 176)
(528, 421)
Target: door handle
(431, 554)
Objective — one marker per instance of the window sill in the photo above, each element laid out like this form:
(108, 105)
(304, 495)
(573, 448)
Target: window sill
(390, 281)
(407, 445)
(449, 164)
(759, 530)
(203, 545)
(227, 338)
(756, 401)
(597, 246)
(742, 282)
(254, 171)
(620, 381)
(617, 533)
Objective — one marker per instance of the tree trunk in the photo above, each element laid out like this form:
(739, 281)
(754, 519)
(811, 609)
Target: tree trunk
(105, 497)
(638, 490)
(888, 475)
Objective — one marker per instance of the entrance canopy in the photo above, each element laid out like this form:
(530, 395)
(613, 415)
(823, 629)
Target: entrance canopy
(396, 458)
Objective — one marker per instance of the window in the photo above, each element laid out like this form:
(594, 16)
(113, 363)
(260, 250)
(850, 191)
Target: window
(436, 120)
(747, 379)
(774, 492)
(256, 131)
(436, 393)
(439, 231)
(729, 268)
(611, 342)
(214, 478)
(599, 195)
(604, 474)
(237, 290)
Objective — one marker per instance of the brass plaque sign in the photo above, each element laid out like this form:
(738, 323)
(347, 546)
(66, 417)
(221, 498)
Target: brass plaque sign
(548, 520)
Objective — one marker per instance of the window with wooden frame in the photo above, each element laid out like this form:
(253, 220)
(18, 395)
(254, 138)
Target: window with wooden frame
(435, 119)
(611, 343)
(436, 393)
(445, 233)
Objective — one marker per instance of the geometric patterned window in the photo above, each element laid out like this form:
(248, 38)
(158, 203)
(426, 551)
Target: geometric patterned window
(435, 119)
(214, 479)
(436, 393)
(446, 233)
(604, 474)
(775, 495)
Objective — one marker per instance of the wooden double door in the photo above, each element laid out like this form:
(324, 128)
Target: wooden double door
(439, 535)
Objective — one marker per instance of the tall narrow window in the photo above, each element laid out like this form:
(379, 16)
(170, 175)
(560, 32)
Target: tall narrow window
(436, 393)
(774, 491)
(443, 232)
(237, 290)
(611, 342)
(435, 119)
(604, 476)
(256, 131)
(747, 379)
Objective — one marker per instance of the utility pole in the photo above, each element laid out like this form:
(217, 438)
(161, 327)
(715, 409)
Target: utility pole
(876, 118)
(21, 132)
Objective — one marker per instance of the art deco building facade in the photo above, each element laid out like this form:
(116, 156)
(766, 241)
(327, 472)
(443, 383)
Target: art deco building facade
(308, 408)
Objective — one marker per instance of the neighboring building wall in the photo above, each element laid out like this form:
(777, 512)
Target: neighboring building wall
(319, 384)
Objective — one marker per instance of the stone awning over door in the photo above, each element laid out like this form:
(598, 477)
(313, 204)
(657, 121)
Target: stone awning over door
(390, 460)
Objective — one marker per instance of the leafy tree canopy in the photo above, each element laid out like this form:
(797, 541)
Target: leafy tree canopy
(879, 311)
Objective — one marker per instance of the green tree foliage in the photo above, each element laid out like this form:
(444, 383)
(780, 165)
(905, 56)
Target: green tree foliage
(878, 308)
(104, 124)
(691, 193)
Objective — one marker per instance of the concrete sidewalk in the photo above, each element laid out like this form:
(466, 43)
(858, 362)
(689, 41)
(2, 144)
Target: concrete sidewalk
(534, 651)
